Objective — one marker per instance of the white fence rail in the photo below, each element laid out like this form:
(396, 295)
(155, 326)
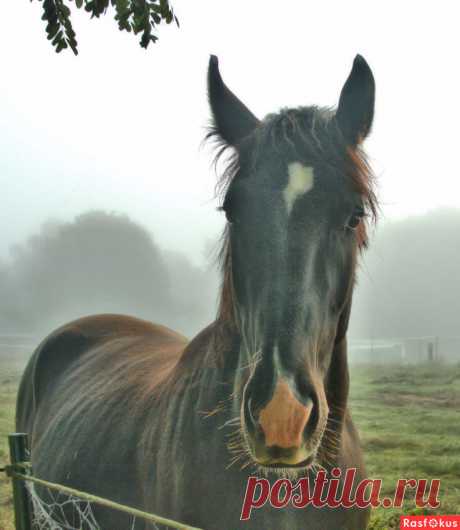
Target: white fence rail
(409, 350)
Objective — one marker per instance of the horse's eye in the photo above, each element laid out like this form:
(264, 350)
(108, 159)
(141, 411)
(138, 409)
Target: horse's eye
(355, 218)
(229, 208)
(229, 216)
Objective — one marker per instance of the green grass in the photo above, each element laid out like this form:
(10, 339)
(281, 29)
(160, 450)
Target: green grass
(409, 422)
(408, 419)
(11, 367)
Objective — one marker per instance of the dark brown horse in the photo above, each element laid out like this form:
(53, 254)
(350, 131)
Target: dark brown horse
(134, 412)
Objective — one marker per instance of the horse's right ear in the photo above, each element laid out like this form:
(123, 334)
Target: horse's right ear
(233, 121)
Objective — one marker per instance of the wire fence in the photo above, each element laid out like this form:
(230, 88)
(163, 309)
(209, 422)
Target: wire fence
(20, 472)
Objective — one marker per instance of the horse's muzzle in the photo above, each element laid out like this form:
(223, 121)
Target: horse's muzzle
(279, 431)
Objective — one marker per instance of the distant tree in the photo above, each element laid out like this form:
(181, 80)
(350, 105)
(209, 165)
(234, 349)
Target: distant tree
(102, 263)
(408, 284)
(5, 318)
(194, 293)
(138, 16)
(98, 263)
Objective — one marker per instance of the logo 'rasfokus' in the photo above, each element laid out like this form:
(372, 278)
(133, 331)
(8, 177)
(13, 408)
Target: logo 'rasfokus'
(335, 490)
(429, 521)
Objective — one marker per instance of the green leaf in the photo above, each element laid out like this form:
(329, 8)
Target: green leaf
(65, 11)
(57, 38)
(52, 29)
(61, 46)
(138, 16)
(156, 9)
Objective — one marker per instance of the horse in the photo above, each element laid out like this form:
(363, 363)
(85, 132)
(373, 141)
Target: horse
(134, 412)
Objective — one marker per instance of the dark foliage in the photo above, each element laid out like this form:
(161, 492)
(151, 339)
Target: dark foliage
(138, 16)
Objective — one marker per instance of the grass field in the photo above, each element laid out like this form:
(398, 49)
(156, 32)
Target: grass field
(11, 367)
(408, 418)
(409, 421)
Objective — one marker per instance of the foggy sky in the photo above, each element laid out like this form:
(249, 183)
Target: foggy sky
(119, 128)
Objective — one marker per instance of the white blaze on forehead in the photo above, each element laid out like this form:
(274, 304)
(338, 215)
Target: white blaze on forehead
(300, 181)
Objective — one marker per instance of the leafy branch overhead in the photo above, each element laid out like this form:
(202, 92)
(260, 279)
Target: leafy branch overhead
(138, 16)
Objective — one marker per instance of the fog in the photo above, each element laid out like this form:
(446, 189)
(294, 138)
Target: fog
(119, 129)
(408, 281)
(101, 263)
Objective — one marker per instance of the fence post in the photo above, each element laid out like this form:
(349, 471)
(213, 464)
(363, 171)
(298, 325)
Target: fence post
(19, 453)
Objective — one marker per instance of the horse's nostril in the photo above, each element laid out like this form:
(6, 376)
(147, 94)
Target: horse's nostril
(304, 387)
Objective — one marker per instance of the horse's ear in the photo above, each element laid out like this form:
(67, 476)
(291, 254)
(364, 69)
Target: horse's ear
(233, 121)
(356, 105)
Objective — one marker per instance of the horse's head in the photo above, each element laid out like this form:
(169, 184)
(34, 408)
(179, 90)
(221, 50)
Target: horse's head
(297, 192)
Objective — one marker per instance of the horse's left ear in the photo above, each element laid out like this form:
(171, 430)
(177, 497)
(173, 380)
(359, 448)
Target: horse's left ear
(355, 111)
(233, 121)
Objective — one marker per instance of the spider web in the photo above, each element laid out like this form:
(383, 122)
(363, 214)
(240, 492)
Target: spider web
(64, 512)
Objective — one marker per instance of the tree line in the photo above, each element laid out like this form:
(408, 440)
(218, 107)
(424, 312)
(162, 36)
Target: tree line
(408, 281)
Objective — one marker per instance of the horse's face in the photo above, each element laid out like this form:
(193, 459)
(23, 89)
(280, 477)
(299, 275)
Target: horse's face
(295, 206)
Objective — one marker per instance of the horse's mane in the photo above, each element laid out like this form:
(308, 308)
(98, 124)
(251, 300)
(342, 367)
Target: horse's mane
(308, 134)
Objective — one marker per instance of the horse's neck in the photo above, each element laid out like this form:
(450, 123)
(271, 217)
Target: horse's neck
(210, 352)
